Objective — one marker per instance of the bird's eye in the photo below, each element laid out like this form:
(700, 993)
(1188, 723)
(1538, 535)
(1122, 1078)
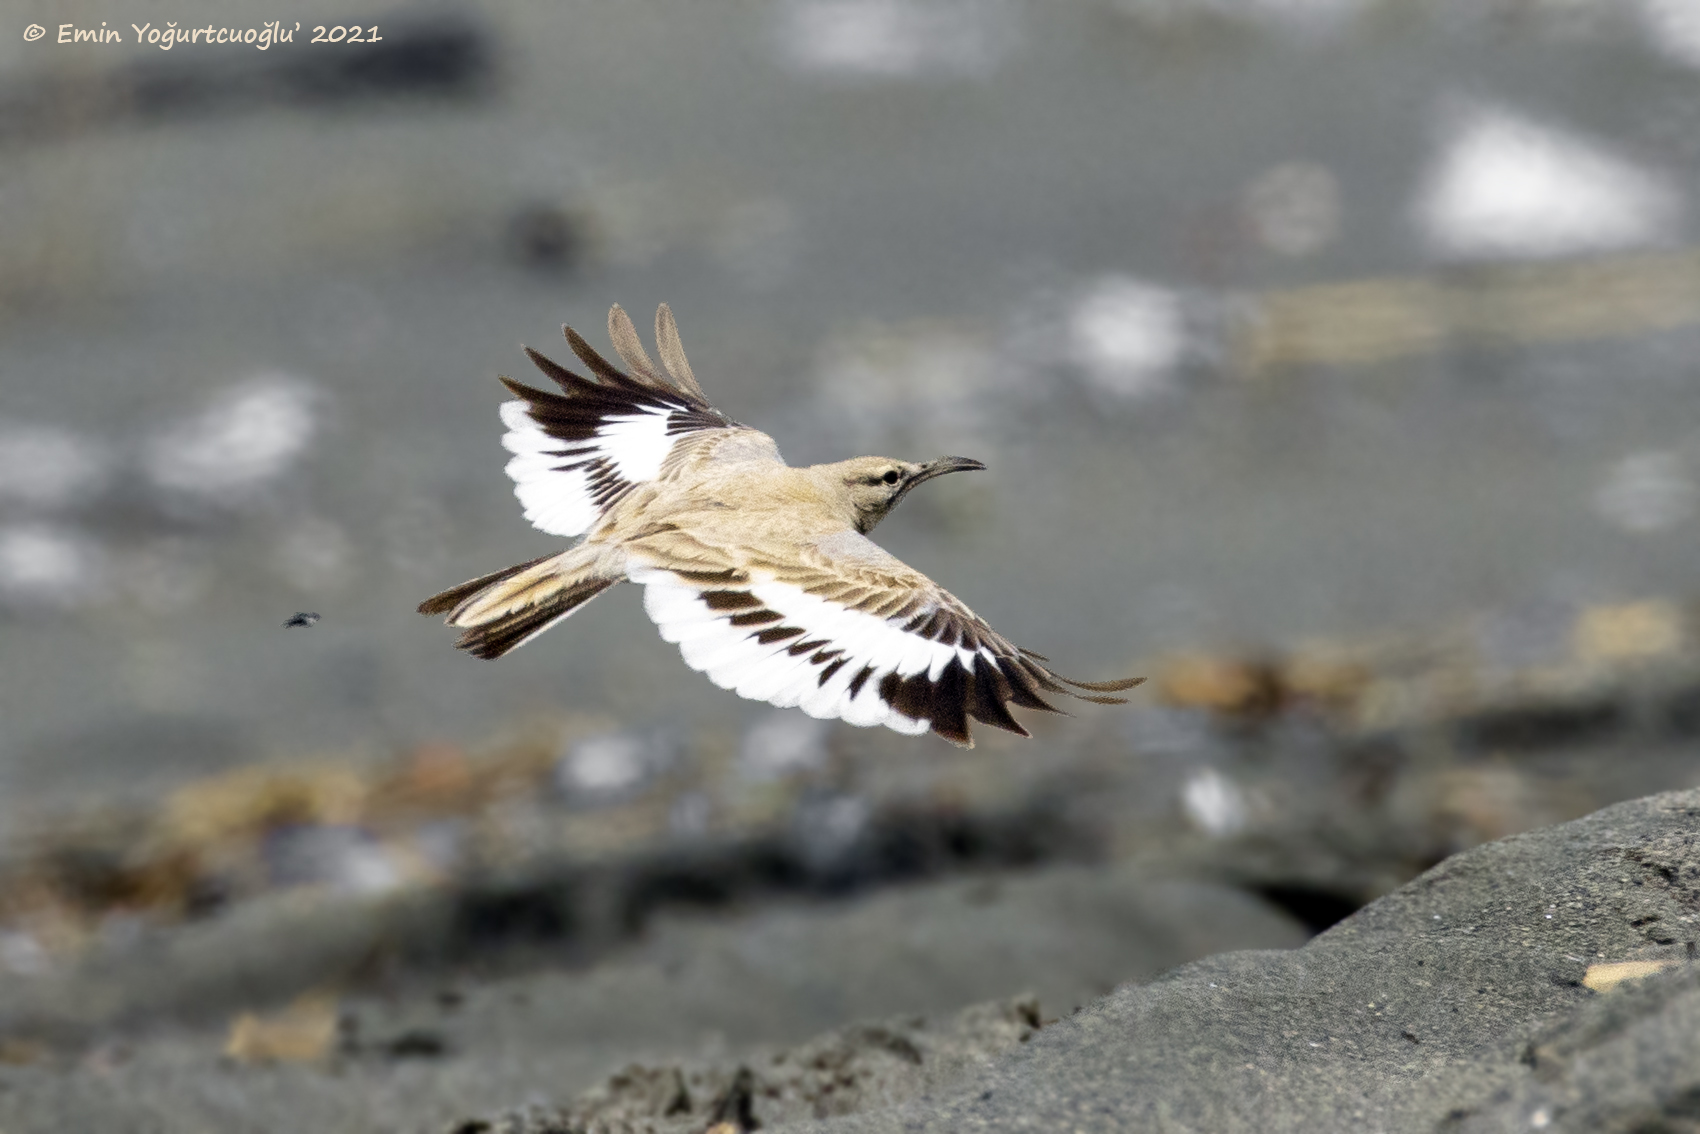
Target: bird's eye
(890, 476)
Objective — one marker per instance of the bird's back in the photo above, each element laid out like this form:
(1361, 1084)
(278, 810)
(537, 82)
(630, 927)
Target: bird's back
(737, 496)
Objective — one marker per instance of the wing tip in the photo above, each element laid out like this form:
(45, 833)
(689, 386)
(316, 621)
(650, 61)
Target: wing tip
(623, 333)
(673, 353)
(1120, 686)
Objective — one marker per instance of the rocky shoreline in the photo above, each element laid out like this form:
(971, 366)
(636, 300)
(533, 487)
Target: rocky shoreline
(1543, 982)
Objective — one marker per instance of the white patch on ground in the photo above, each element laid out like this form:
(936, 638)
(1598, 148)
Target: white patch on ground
(1672, 27)
(610, 765)
(343, 858)
(49, 567)
(1214, 803)
(603, 764)
(246, 438)
(1506, 186)
(874, 40)
(1127, 337)
(47, 469)
(1647, 493)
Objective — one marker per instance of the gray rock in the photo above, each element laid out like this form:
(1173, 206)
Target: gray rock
(1455, 1003)
(695, 990)
(851, 1069)
(1626, 1064)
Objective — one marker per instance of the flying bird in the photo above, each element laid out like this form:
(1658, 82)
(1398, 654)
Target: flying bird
(763, 574)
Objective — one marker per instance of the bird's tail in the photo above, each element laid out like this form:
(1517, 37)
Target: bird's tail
(506, 609)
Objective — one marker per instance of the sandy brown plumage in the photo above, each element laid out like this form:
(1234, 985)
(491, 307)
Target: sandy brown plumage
(760, 572)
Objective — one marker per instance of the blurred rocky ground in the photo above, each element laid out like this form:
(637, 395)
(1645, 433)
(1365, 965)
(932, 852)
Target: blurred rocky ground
(510, 922)
(1544, 982)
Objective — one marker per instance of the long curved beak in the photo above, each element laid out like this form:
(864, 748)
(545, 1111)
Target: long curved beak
(938, 468)
(947, 464)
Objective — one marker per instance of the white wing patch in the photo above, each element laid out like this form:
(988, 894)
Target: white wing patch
(579, 452)
(772, 641)
(565, 485)
(637, 443)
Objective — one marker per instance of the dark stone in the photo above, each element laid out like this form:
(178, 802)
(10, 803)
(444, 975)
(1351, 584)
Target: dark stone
(1534, 727)
(416, 1044)
(1455, 1003)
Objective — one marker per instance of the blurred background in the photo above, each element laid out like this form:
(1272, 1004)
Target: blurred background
(1217, 290)
(1334, 362)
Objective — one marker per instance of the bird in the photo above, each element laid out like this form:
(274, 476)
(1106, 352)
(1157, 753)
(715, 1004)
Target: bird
(301, 618)
(763, 574)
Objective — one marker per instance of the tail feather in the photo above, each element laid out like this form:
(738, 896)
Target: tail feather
(505, 632)
(506, 609)
(446, 601)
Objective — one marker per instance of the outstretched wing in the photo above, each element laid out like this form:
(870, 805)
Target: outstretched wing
(578, 452)
(847, 631)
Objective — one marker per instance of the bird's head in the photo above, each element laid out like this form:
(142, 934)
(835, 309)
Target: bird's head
(872, 486)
